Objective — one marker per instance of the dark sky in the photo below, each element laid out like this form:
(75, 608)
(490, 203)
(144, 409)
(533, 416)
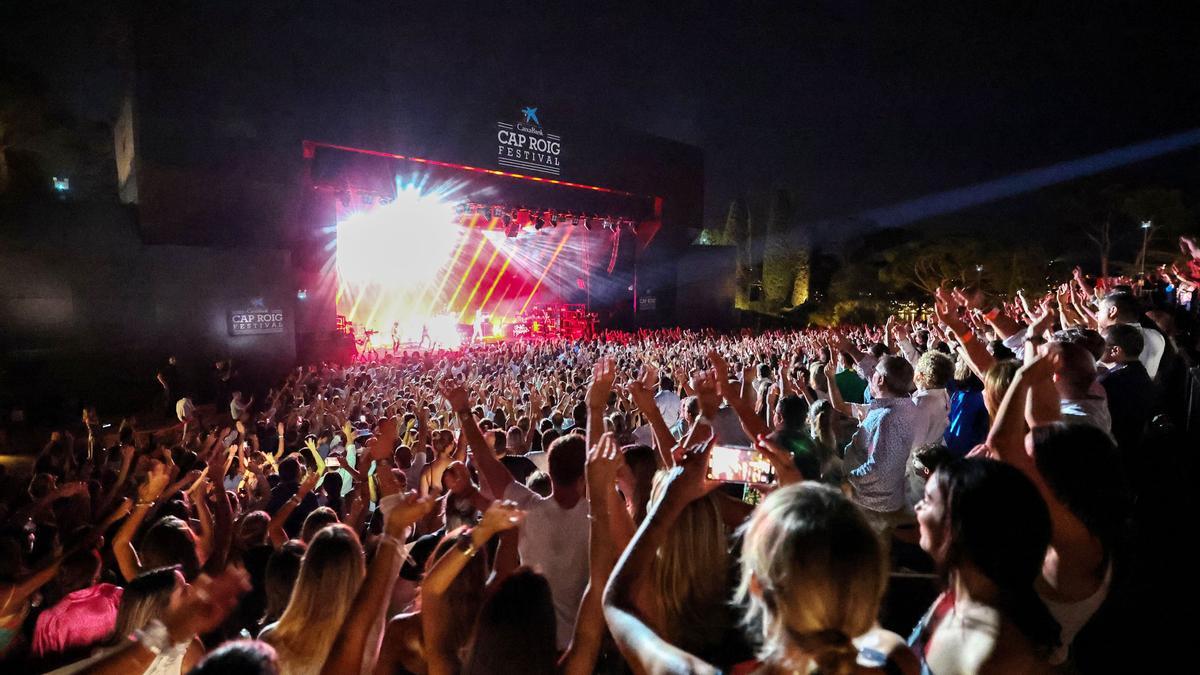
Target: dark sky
(855, 105)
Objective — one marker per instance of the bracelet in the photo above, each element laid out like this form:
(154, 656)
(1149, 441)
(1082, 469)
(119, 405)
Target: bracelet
(466, 545)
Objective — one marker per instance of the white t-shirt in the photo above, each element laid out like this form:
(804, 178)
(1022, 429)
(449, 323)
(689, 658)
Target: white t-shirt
(554, 542)
(184, 409)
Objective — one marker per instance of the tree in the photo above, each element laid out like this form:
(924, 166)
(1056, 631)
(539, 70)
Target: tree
(737, 230)
(779, 252)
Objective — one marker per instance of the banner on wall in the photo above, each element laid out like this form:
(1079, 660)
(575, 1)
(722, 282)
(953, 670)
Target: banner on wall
(257, 318)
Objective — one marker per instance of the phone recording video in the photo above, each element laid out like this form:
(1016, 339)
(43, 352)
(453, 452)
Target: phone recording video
(739, 464)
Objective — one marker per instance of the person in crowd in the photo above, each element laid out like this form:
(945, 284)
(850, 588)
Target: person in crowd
(806, 608)
(86, 614)
(1129, 389)
(1120, 307)
(989, 618)
(877, 456)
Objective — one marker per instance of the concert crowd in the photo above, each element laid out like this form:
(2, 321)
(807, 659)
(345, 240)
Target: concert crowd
(985, 488)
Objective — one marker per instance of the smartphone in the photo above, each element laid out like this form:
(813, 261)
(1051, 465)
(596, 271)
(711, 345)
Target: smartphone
(362, 418)
(333, 463)
(739, 464)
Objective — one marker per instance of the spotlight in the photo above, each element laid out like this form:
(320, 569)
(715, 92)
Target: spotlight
(302, 294)
(608, 224)
(61, 184)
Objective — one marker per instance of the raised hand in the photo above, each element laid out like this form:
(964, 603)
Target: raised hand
(603, 462)
(604, 373)
(781, 460)
(403, 510)
(688, 480)
(156, 482)
(456, 396)
(309, 484)
(500, 516)
(204, 604)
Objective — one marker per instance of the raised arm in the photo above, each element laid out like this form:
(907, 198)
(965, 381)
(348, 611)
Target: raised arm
(352, 651)
(275, 529)
(604, 460)
(639, 391)
(492, 470)
(148, 493)
(752, 423)
(946, 308)
(604, 373)
(645, 650)
(440, 649)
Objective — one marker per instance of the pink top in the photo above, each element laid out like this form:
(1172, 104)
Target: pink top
(82, 618)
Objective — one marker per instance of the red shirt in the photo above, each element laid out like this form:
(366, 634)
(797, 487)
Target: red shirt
(82, 618)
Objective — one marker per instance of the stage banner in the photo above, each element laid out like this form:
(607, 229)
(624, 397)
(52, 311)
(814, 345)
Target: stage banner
(255, 319)
(523, 145)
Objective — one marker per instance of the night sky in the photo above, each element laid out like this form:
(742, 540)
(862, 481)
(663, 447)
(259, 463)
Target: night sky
(854, 105)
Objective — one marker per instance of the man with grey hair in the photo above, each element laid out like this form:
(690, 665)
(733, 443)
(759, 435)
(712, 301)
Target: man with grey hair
(877, 455)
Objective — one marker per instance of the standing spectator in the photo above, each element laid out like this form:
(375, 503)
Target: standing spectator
(1122, 307)
(168, 379)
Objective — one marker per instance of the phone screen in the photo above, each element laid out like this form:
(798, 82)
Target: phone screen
(739, 464)
(333, 463)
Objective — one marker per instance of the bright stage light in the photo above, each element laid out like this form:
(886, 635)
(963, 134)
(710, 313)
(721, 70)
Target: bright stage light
(400, 245)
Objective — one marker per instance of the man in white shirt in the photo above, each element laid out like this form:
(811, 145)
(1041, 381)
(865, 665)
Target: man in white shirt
(1121, 307)
(554, 535)
(667, 401)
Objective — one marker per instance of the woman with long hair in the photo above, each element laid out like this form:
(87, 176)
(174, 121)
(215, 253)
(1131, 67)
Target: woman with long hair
(989, 618)
(689, 588)
(1077, 471)
(812, 577)
(330, 573)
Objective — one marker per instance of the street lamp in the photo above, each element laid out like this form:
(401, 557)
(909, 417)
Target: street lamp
(1146, 225)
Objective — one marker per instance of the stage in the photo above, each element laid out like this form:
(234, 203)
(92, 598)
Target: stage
(427, 253)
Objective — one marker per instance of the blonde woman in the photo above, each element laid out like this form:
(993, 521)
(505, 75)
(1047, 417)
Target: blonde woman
(689, 592)
(812, 577)
(330, 573)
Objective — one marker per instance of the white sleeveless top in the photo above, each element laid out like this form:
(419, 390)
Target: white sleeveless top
(1073, 616)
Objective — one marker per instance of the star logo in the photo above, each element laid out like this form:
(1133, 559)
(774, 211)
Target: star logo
(531, 116)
